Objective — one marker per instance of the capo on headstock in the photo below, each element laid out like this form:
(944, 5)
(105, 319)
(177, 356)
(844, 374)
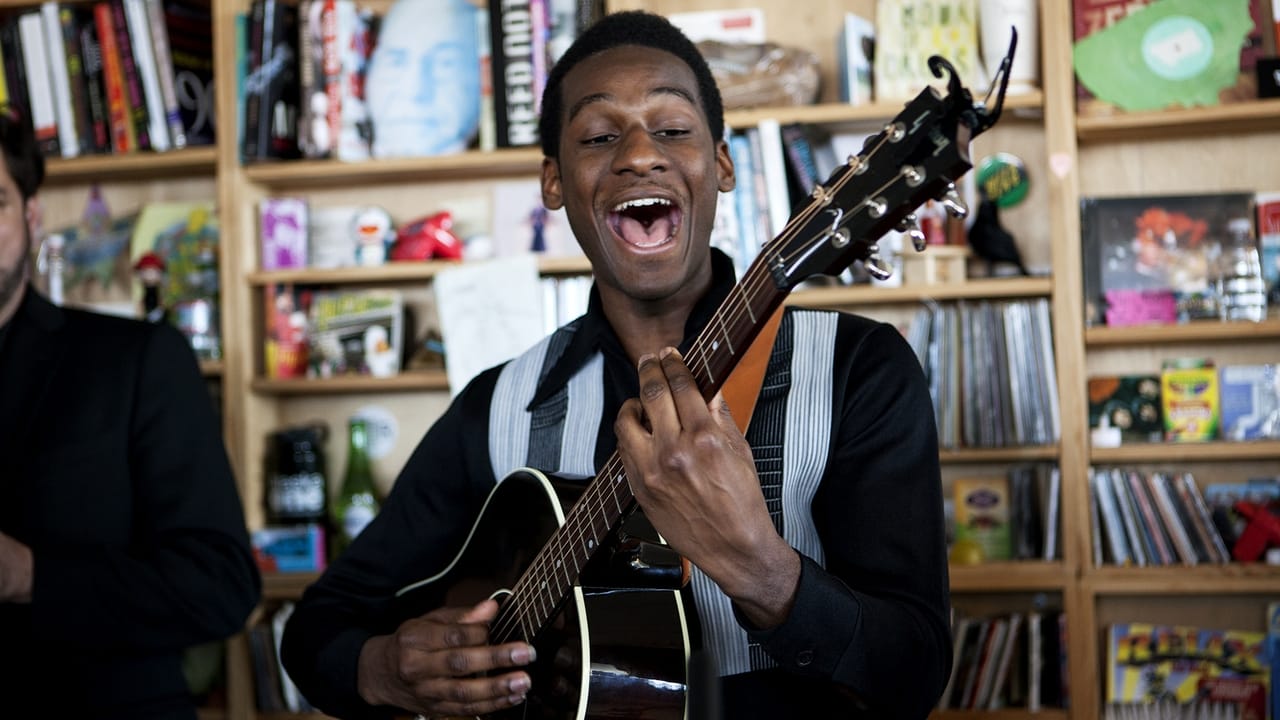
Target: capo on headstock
(979, 118)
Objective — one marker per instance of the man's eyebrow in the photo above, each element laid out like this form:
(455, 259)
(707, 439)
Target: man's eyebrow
(603, 97)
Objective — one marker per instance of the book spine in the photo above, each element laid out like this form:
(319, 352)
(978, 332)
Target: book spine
(121, 125)
(512, 70)
(1162, 494)
(311, 134)
(1198, 515)
(78, 79)
(487, 133)
(331, 70)
(145, 60)
(44, 118)
(165, 73)
(132, 82)
(251, 147)
(56, 56)
(14, 67)
(191, 47)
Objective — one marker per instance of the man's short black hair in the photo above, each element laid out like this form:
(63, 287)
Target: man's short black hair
(21, 156)
(635, 27)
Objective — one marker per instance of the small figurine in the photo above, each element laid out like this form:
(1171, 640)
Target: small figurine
(991, 242)
(149, 269)
(428, 238)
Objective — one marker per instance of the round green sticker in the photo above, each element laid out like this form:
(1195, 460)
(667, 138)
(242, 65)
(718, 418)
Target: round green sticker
(1002, 177)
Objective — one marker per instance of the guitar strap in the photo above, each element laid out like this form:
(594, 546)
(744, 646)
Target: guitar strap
(742, 388)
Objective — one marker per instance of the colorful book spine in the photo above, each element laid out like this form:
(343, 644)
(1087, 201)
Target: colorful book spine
(119, 121)
(132, 82)
(164, 73)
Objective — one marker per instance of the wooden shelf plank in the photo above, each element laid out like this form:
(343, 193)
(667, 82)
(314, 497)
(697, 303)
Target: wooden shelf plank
(212, 368)
(299, 174)
(397, 272)
(1010, 576)
(870, 295)
(1236, 578)
(286, 586)
(1028, 453)
(1005, 714)
(334, 173)
(845, 114)
(1235, 117)
(1170, 452)
(1201, 331)
(133, 166)
(412, 381)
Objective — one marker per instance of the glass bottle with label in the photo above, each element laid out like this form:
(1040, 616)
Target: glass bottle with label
(296, 488)
(1242, 293)
(357, 502)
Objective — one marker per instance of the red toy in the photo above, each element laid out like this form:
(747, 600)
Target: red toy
(1262, 531)
(430, 238)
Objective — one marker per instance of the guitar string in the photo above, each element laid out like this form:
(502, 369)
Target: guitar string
(756, 279)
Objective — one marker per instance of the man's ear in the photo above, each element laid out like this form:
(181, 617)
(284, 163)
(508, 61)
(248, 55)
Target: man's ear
(552, 192)
(725, 177)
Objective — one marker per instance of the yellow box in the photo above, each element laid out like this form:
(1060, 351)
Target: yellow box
(1189, 396)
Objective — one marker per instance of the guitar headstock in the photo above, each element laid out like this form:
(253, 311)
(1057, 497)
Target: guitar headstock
(917, 157)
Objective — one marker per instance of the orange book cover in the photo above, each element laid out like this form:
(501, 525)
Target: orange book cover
(118, 119)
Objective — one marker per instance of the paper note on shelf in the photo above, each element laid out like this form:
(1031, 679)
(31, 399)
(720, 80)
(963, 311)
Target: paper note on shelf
(489, 312)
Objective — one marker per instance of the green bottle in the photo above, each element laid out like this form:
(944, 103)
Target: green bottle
(357, 500)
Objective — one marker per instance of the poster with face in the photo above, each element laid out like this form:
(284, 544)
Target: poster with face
(423, 84)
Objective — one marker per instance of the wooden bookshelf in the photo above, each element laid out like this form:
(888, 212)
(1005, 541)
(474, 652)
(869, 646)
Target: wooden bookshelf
(1200, 331)
(1171, 452)
(1012, 576)
(1233, 578)
(133, 166)
(1192, 122)
(849, 295)
(410, 381)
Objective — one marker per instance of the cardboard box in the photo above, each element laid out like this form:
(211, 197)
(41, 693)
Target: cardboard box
(1189, 400)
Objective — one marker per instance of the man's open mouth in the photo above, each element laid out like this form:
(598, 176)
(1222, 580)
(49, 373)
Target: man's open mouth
(645, 222)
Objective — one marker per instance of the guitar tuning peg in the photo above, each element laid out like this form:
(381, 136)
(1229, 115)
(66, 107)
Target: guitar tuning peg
(952, 202)
(910, 225)
(876, 266)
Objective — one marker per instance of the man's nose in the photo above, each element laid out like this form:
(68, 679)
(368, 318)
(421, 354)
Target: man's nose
(639, 152)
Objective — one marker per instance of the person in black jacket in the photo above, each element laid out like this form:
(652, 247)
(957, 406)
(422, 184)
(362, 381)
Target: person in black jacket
(122, 536)
(817, 540)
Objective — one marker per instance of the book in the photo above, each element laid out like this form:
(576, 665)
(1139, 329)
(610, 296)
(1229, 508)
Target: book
(355, 332)
(134, 91)
(983, 514)
(283, 229)
(1180, 533)
(511, 70)
(139, 26)
(165, 74)
(35, 58)
(1151, 663)
(1267, 206)
(1189, 400)
(1197, 514)
(285, 332)
(189, 24)
(1130, 403)
(119, 118)
(1249, 401)
(855, 48)
(56, 57)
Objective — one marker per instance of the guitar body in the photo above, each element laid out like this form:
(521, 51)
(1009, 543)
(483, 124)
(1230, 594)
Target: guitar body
(607, 653)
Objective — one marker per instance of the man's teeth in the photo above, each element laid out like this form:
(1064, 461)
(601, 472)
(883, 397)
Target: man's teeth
(641, 202)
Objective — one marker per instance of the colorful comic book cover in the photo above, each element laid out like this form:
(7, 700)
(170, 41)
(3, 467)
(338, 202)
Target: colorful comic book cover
(1149, 664)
